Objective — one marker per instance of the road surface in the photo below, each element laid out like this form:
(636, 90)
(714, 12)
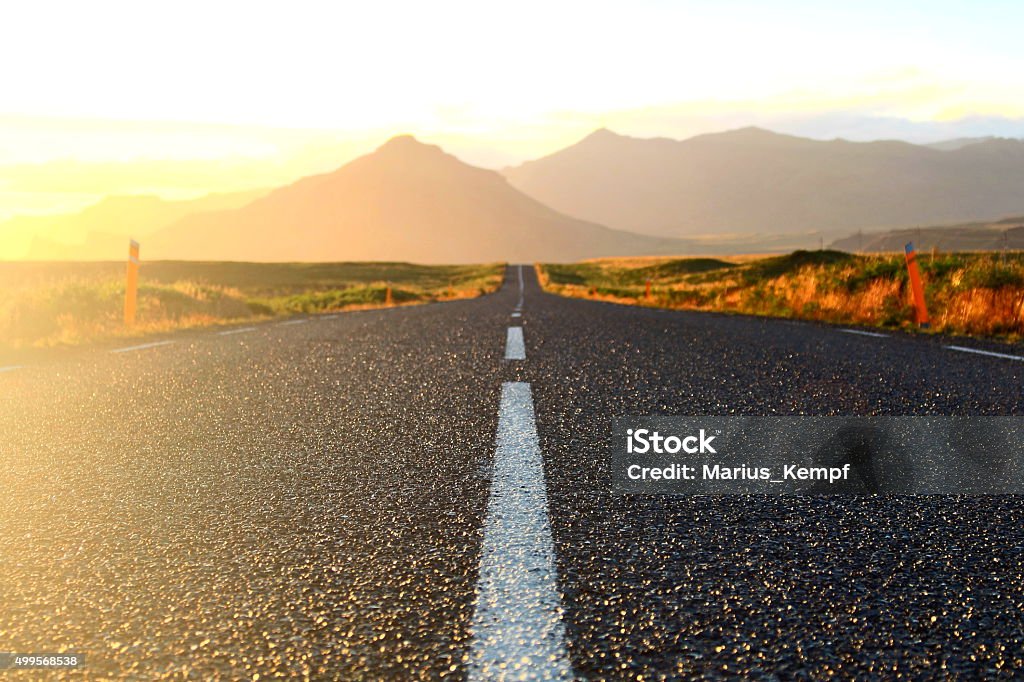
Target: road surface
(418, 492)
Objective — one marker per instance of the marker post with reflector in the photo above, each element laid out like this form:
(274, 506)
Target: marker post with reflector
(131, 290)
(916, 287)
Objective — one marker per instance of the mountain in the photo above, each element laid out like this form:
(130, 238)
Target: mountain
(406, 201)
(958, 143)
(986, 236)
(101, 231)
(756, 182)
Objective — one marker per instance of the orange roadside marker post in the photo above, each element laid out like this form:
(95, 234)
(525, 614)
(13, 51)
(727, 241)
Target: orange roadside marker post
(132, 287)
(387, 296)
(647, 294)
(916, 286)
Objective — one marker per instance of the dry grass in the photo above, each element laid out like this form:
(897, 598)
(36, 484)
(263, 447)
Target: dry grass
(978, 294)
(57, 304)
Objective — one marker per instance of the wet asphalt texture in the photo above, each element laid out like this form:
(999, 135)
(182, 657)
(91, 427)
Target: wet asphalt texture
(308, 500)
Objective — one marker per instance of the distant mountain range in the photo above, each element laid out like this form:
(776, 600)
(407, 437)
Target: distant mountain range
(758, 183)
(958, 143)
(987, 236)
(101, 231)
(742, 191)
(406, 201)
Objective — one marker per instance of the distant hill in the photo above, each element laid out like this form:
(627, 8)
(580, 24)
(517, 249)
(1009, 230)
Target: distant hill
(406, 201)
(958, 143)
(991, 236)
(755, 182)
(101, 231)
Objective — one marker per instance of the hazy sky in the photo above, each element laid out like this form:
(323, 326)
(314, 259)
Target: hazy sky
(306, 85)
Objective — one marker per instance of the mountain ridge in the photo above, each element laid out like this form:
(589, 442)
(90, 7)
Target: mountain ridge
(755, 181)
(405, 201)
(100, 231)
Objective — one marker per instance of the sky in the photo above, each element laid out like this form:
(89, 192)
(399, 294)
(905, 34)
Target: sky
(127, 97)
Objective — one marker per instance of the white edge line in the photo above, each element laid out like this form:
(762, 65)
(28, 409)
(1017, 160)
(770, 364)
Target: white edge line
(10, 368)
(281, 324)
(1005, 356)
(142, 346)
(865, 333)
(518, 628)
(240, 330)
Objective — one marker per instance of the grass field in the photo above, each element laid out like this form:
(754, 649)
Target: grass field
(52, 304)
(977, 294)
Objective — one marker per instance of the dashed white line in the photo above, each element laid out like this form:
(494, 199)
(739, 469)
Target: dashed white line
(240, 330)
(287, 322)
(1005, 356)
(519, 306)
(517, 314)
(142, 346)
(518, 631)
(10, 368)
(864, 333)
(515, 349)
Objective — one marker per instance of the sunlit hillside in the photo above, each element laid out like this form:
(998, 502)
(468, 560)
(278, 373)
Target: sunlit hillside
(55, 304)
(101, 231)
(966, 293)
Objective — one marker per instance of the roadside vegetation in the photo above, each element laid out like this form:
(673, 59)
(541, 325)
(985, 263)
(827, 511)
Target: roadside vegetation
(52, 304)
(977, 294)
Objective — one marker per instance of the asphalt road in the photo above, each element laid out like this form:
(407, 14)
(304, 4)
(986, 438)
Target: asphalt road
(325, 499)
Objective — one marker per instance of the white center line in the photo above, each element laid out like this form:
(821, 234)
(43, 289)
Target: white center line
(517, 314)
(515, 349)
(142, 346)
(10, 368)
(240, 330)
(1005, 356)
(864, 333)
(520, 305)
(518, 631)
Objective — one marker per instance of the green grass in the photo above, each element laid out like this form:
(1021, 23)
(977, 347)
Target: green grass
(50, 304)
(979, 294)
(777, 266)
